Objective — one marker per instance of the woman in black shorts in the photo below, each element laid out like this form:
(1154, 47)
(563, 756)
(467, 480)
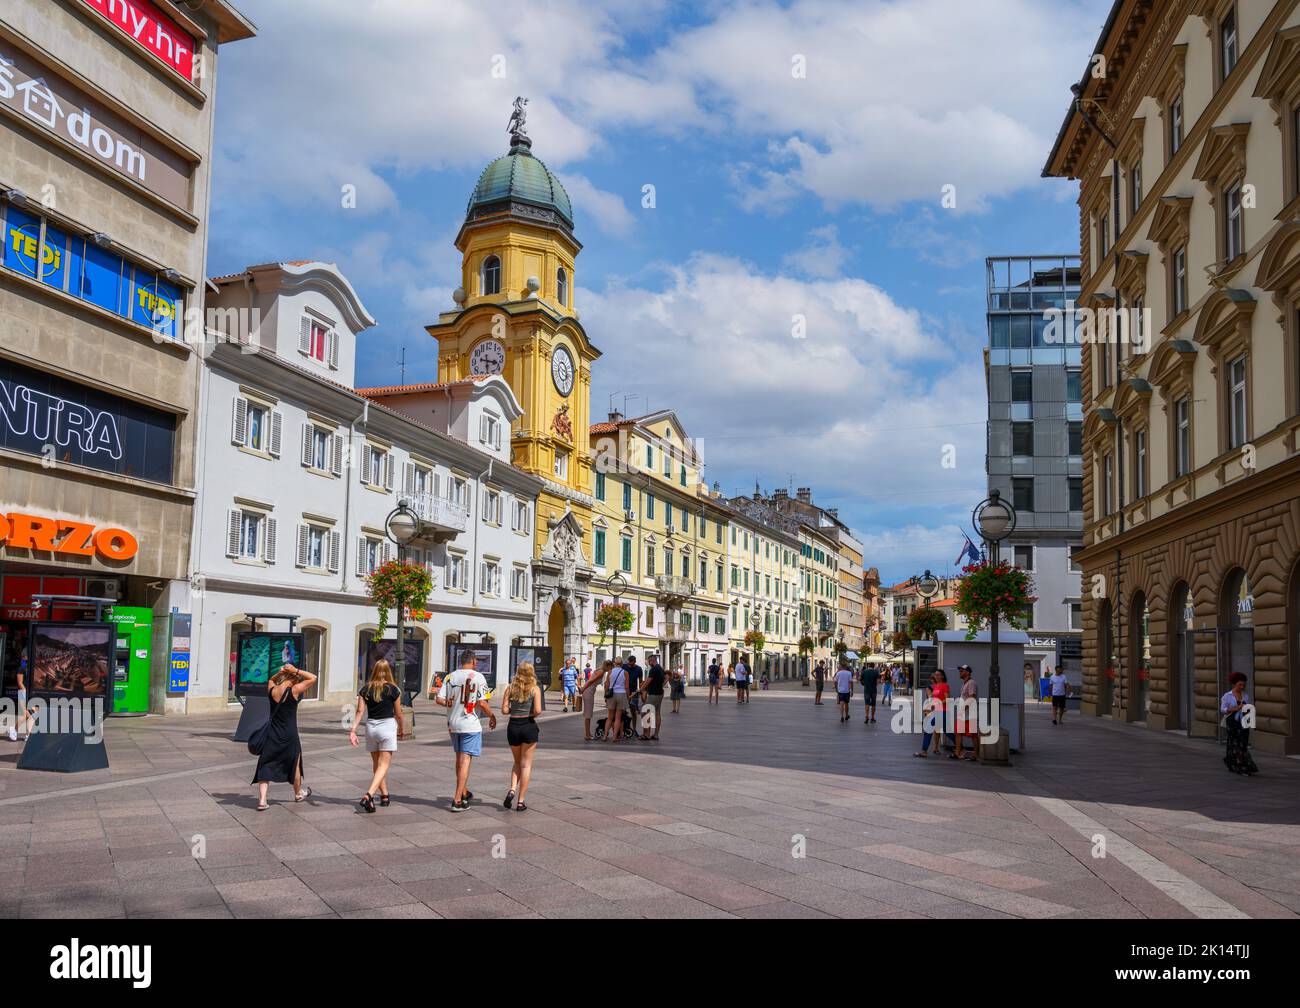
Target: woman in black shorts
(522, 703)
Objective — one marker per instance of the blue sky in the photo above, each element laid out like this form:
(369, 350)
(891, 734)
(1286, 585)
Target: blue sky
(799, 154)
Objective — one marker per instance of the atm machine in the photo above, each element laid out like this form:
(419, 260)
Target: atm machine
(132, 659)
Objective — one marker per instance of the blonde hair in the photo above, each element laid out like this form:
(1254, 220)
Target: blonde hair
(524, 682)
(381, 675)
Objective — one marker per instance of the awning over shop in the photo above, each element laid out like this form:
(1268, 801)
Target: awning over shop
(851, 655)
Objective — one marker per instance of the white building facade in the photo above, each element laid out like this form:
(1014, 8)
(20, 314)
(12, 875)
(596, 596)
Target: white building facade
(299, 473)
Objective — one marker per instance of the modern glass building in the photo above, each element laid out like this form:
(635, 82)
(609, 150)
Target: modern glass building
(1034, 457)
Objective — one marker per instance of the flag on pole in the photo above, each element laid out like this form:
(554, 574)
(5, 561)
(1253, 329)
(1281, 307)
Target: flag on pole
(968, 552)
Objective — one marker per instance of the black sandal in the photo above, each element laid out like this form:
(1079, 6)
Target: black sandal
(367, 802)
(383, 800)
(521, 807)
(510, 799)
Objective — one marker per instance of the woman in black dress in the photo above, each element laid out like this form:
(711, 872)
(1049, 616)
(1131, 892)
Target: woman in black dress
(281, 758)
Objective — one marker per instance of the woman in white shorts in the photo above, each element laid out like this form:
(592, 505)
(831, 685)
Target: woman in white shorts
(381, 702)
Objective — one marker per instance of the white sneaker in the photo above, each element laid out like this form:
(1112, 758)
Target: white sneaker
(13, 735)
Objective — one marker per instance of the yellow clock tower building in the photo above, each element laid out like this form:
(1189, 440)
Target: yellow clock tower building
(515, 317)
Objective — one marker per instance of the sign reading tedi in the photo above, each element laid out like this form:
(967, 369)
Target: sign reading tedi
(152, 30)
(43, 98)
(40, 534)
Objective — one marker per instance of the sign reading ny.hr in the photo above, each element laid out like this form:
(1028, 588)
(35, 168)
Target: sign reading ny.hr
(152, 30)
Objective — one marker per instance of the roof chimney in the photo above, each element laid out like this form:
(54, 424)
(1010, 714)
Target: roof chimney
(804, 494)
(615, 416)
(781, 494)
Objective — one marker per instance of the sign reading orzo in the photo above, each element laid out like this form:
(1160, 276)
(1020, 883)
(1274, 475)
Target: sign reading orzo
(64, 537)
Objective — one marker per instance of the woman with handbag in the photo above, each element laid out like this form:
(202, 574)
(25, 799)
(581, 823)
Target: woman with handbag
(381, 702)
(279, 750)
(1238, 758)
(589, 698)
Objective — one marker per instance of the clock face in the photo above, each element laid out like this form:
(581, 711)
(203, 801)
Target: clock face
(562, 370)
(489, 357)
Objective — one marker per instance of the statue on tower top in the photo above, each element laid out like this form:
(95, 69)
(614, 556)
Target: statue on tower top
(516, 125)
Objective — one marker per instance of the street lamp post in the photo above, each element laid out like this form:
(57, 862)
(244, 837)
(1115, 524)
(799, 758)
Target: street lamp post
(927, 586)
(401, 526)
(616, 586)
(994, 519)
(754, 621)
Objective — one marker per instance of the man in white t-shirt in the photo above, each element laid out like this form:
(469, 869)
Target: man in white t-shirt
(742, 681)
(465, 693)
(1060, 695)
(844, 690)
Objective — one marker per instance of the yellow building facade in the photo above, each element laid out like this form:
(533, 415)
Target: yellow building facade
(763, 588)
(515, 317)
(658, 527)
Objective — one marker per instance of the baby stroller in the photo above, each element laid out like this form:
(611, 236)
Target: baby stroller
(629, 729)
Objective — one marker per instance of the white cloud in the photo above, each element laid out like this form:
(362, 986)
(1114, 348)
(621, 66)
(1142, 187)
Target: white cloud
(862, 409)
(606, 209)
(899, 99)
(823, 256)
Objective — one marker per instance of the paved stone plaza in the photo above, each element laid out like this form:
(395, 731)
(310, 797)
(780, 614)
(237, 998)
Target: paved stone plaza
(705, 823)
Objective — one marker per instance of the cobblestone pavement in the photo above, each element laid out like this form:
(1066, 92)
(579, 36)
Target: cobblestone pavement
(709, 822)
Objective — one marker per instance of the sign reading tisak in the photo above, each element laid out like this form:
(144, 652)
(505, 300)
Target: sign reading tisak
(65, 538)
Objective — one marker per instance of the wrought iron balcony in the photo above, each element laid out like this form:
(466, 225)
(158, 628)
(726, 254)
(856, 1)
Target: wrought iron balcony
(441, 520)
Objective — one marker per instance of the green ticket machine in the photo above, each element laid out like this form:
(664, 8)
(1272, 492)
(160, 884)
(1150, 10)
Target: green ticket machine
(132, 658)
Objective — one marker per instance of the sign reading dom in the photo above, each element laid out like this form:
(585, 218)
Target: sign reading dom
(63, 422)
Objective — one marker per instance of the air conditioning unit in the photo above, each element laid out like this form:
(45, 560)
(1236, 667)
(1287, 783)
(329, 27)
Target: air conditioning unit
(670, 530)
(629, 516)
(109, 588)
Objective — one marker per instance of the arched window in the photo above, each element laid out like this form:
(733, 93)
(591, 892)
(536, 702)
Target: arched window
(562, 286)
(490, 278)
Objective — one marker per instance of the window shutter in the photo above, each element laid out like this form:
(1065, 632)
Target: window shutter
(388, 470)
(361, 557)
(335, 542)
(366, 455)
(336, 455)
(387, 553)
(334, 348)
(304, 335)
(269, 556)
(233, 519)
(483, 427)
(308, 436)
(239, 433)
(303, 533)
(277, 424)
(437, 483)
(408, 478)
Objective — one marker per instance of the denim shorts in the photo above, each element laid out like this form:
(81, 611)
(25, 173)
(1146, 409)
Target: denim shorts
(470, 743)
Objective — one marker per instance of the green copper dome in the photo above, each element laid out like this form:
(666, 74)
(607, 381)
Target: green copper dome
(519, 178)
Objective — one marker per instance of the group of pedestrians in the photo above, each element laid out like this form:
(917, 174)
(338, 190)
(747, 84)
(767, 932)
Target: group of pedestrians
(634, 696)
(958, 722)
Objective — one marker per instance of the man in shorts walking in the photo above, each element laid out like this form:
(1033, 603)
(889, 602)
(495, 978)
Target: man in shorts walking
(819, 679)
(1060, 696)
(569, 681)
(465, 693)
(869, 676)
(844, 690)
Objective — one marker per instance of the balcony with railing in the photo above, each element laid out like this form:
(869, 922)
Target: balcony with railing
(441, 519)
(670, 589)
(674, 633)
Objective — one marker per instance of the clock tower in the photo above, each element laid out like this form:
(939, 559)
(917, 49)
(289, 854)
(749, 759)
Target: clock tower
(514, 316)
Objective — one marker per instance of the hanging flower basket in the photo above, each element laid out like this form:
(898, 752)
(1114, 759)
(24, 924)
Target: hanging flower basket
(397, 586)
(841, 648)
(754, 640)
(998, 588)
(925, 622)
(613, 618)
(807, 645)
